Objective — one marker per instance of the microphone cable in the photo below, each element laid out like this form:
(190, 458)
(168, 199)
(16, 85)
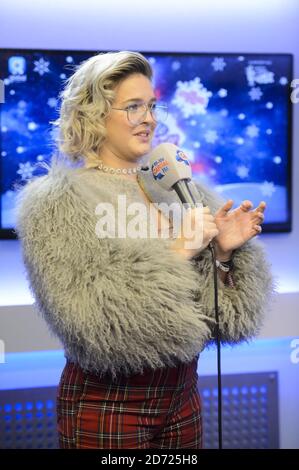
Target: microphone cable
(186, 196)
(218, 345)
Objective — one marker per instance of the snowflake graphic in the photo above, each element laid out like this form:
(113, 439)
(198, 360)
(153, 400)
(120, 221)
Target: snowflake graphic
(283, 81)
(268, 188)
(277, 159)
(242, 171)
(224, 112)
(52, 102)
(191, 97)
(252, 131)
(211, 136)
(222, 93)
(25, 170)
(255, 93)
(176, 65)
(218, 64)
(41, 66)
(32, 126)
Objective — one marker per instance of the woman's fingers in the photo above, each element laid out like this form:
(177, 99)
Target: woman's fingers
(246, 205)
(261, 207)
(258, 228)
(225, 208)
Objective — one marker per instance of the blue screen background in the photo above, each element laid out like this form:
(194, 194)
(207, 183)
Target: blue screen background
(228, 112)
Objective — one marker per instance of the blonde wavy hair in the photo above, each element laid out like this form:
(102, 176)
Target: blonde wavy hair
(86, 102)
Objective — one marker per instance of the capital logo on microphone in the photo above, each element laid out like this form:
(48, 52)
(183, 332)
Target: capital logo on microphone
(182, 157)
(160, 168)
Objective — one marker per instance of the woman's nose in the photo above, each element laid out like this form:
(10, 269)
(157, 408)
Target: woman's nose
(149, 118)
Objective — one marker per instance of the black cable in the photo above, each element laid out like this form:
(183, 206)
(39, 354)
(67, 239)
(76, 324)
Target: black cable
(217, 333)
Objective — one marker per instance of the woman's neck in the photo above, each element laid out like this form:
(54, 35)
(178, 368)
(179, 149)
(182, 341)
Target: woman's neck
(111, 161)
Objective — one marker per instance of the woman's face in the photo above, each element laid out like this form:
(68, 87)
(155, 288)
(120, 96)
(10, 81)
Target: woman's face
(122, 140)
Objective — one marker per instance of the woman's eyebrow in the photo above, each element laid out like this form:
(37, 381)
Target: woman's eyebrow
(139, 99)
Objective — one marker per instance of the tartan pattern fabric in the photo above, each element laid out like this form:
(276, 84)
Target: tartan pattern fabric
(159, 409)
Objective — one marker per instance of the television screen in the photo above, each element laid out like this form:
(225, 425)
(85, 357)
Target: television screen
(230, 113)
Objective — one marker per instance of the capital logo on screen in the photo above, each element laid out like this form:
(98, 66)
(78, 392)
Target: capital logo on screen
(182, 157)
(17, 65)
(159, 168)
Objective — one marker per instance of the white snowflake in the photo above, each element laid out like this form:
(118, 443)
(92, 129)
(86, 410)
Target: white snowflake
(218, 64)
(20, 149)
(222, 93)
(277, 159)
(52, 102)
(196, 144)
(252, 131)
(69, 59)
(218, 159)
(22, 104)
(269, 131)
(25, 170)
(255, 93)
(224, 112)
(269, 105)
(191, 97)
(152, 60)
(240, 140)
(193, 122)
(176, 65)
(62, 76)
(3, 153)
(241, 116)
(241, 58)
(40, 158)
(211, 136)
(41, 66)
(32, 126)
(268, 188)
(283, 81)
(242, 171)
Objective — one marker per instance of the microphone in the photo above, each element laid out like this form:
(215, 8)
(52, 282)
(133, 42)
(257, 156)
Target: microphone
(172, 170)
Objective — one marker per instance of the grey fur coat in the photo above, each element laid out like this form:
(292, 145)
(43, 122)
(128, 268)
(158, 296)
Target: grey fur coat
(122, 305)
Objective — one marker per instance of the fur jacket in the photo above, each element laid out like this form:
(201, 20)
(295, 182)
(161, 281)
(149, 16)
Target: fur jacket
(120, 305)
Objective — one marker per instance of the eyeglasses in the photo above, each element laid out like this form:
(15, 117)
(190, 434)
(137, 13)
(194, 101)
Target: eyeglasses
(136, 112)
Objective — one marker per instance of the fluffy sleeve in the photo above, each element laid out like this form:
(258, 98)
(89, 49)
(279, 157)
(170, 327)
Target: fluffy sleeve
(116, 305)
(242, 308)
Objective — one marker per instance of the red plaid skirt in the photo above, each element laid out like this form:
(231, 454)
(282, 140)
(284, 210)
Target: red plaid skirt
(157, 409)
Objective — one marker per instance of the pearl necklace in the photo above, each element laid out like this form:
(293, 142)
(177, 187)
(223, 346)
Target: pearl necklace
(117, 171)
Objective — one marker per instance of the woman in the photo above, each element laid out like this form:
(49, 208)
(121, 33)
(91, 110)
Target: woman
(132, 314)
